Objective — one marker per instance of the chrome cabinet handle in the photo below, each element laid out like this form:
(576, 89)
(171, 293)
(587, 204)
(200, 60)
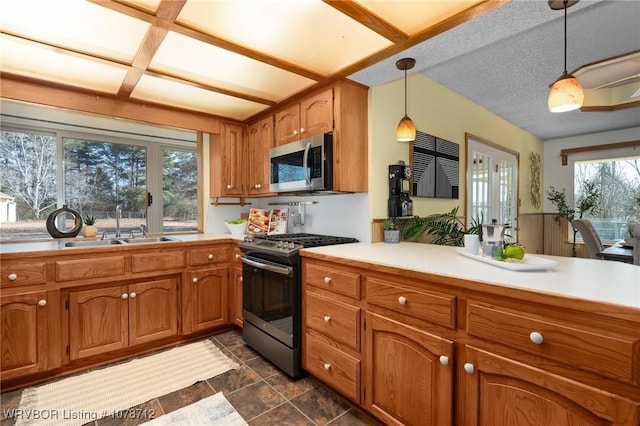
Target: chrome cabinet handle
(327, 318)
(210, 256)
(402, 300)
(195, 279)
(327, 280)
(469, 368)
(12, 277)
(42, 302)
(133, 295)
(124, 296)
(229, 186)
(444, 360)
(327, 366)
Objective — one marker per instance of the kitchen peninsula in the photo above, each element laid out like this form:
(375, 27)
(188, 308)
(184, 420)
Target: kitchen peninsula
(418, 334)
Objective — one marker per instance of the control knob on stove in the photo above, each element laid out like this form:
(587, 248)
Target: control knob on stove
(292, 245)
(248, 238)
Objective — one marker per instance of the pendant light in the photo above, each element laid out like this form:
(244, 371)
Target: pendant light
(406, 131)
(566, 92)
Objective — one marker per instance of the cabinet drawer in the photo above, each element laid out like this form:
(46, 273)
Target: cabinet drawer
(144, 262)
(339, 321)
(334, 367)
(206, 256)
(342, 282)
(15, 274)
(437, 308)
(600, 352)
(89, 268)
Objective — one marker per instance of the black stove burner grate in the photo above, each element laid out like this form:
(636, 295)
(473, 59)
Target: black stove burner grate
(309, 240)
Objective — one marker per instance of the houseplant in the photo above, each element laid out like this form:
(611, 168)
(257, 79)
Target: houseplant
(587, 203)
(89, 229)
(445, 228)
(391, 231)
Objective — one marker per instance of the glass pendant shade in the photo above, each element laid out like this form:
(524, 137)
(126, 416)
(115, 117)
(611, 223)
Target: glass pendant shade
(406, 131)
(566, 94)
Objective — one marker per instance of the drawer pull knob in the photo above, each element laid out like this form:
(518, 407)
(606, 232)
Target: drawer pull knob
(402, 300)
(124, 296)
(210, 256)
(469, 368)
(195, 279)
(327, 318)
(536, 337)
(327, 366)
(42, 302)
(133, 295)
(444, 360)
(12, 277)
(229, 186)
(238, 256)
(327, 280)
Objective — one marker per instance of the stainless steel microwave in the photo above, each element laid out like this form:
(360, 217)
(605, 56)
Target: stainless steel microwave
(303, 166)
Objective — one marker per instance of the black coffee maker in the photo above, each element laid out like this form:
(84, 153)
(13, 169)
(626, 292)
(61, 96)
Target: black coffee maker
(399, 202)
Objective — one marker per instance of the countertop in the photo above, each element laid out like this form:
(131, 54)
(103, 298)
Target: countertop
(588, 279)
(57, 244)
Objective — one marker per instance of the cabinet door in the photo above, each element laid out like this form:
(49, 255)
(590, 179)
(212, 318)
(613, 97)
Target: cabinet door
(209, 297)
(410, 374)
(23, 340)
(287, 127)
(98, 321)
(235, 296)
(316, 114)
(261, 140)
(153, 311)
(232, 160)
(497, 391)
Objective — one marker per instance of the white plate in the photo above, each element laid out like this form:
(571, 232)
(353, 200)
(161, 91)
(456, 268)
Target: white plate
(529, 263)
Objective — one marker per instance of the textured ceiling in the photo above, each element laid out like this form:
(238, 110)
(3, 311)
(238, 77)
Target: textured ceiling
(505, 61)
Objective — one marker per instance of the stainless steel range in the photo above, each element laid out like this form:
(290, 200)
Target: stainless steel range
(272, 295)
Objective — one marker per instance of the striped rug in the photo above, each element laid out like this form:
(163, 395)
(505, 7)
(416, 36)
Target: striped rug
(99, 393)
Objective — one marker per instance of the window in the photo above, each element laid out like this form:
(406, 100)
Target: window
(492, 187)
(154, 183)
(618, 182)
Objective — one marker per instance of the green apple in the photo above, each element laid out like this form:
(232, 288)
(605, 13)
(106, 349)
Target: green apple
(514, 251)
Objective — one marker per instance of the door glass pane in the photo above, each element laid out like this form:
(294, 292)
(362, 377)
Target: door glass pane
(480, 187)
(180, 190)
(27, 184)
(100, 176)
(506, 177)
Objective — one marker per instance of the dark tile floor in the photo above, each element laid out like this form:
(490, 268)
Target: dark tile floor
(260, 392)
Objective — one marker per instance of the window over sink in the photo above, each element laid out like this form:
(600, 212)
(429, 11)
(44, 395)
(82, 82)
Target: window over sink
(47, 164)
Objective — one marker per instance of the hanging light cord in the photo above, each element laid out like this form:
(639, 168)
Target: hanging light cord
(565, 36)
(405, 91)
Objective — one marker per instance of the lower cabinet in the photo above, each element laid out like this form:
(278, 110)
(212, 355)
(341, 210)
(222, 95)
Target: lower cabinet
(111, 318)
(209, 297)
(502, 392)
(23, 340)
(409, 379)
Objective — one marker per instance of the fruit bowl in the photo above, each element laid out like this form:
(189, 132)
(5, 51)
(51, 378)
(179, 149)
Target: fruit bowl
(236, 228)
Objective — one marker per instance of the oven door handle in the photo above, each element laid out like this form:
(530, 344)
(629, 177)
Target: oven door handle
(282, 270)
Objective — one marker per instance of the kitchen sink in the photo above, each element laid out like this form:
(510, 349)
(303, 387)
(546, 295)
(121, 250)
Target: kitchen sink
(92, 243)
(147, 240)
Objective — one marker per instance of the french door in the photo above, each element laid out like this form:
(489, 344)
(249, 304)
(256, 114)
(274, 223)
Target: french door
(492, 185)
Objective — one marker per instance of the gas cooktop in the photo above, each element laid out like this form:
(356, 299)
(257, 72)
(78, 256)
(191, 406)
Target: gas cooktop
(290, 243)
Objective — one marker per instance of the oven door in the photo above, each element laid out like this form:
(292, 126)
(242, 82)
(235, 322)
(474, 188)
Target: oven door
(271, 298)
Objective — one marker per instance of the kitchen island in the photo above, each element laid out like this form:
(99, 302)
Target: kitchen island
(419, 334)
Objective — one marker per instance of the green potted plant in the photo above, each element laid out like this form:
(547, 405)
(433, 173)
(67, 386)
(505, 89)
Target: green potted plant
(445, 228)
(89, 230)
(391, 231)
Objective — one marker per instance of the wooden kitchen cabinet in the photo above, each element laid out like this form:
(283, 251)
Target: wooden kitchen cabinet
(227, 161)
(498, 391)
(409, 374)
(260, 139)
(24, 339)
(311, 116)
(116, 317)
(209, 297)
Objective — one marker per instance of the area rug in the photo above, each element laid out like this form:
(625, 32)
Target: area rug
(214, 410)
(99, 393)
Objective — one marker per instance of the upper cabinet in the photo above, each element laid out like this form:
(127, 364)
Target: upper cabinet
(226, 161)
(311, 116)
(260, 137)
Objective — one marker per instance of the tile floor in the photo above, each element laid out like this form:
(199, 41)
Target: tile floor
(260, 392)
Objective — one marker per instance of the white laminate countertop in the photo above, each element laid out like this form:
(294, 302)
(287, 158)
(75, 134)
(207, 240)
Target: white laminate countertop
(58, 244)
(589, 279)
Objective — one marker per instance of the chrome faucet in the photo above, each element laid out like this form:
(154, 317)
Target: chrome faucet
(118, 217)
(143, 228)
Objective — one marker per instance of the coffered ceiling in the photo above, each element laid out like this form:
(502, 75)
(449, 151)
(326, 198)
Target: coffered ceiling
(232, 59)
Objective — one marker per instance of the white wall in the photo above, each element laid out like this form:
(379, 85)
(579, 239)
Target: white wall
(559, 176)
